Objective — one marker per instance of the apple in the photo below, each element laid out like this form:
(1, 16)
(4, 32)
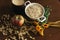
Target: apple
(18, 19)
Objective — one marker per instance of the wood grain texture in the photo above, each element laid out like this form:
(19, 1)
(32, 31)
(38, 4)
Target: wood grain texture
(50, 33)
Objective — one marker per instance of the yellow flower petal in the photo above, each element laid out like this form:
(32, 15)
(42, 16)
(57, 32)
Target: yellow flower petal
(41, 32)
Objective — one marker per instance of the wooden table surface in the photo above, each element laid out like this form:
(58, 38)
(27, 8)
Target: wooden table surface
(50, 33)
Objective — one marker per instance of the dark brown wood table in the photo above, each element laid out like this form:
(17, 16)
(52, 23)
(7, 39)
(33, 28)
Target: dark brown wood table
(50, 33)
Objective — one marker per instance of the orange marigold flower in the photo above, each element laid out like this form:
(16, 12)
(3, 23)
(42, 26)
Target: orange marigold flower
(36, 23)
(45, 25)
(40, 29)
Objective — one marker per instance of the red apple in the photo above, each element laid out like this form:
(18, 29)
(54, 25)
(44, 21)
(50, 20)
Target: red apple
(18, 19)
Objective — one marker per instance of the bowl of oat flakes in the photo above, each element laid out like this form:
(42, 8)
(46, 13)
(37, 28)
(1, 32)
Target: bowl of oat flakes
(35, 11)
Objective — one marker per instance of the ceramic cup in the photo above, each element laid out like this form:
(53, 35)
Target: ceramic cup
(35, 11)
(18, 2)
